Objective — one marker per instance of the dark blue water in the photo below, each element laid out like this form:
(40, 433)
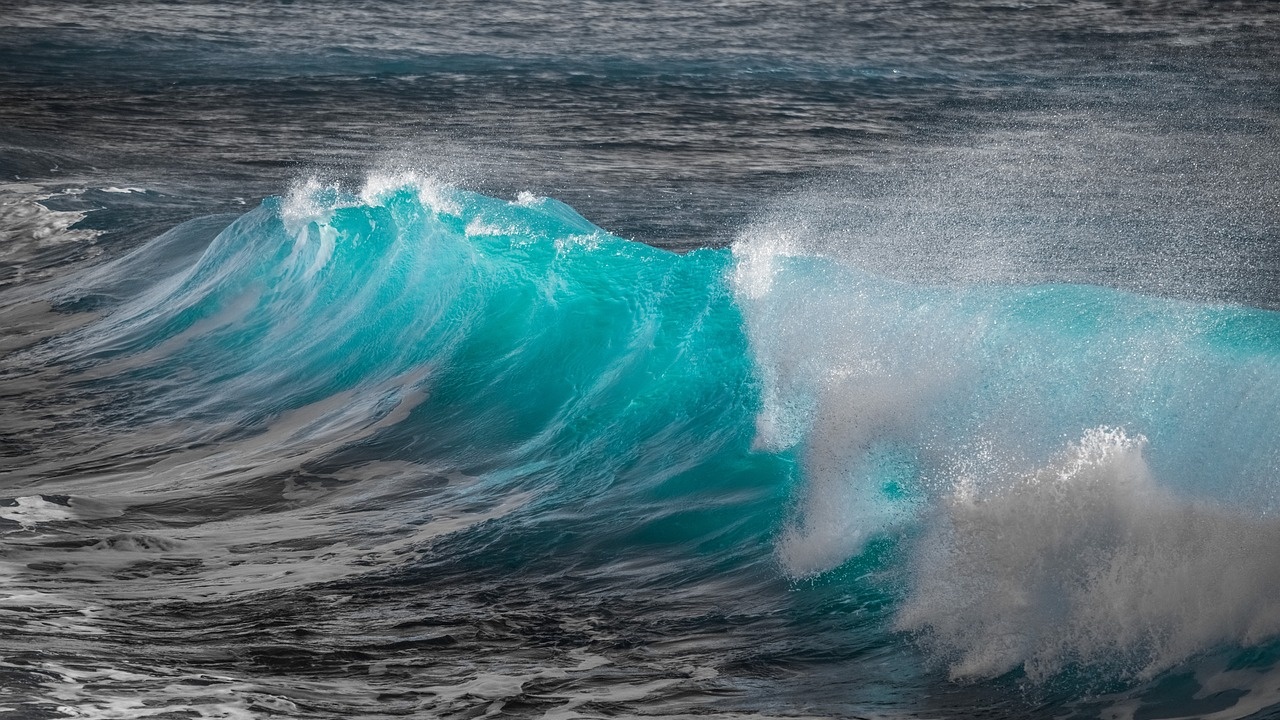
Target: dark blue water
(639, 359)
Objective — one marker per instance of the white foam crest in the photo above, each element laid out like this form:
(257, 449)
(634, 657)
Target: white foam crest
(757, 256)
(433, 192)
(315, 199)
(1089, 560)
(310, 200)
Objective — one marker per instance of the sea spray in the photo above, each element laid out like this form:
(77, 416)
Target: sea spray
(1076, 476)
(1088, 561)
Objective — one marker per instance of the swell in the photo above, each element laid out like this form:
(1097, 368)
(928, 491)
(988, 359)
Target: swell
(1067, 475)
(510, 343)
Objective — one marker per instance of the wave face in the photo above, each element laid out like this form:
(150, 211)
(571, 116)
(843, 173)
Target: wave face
(500, 326)
(499, 417)
(512, 342)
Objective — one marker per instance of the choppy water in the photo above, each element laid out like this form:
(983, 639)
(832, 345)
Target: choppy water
(729, 360)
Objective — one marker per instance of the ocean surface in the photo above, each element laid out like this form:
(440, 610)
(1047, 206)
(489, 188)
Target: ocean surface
(720, 359)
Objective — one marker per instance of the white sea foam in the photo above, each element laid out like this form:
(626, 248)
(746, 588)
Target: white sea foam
(1089, 560)
(849, 377)
(27, 226)
(758, 256)
(433, 192)
(315, 199)
(33, 510)
(309, 200)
